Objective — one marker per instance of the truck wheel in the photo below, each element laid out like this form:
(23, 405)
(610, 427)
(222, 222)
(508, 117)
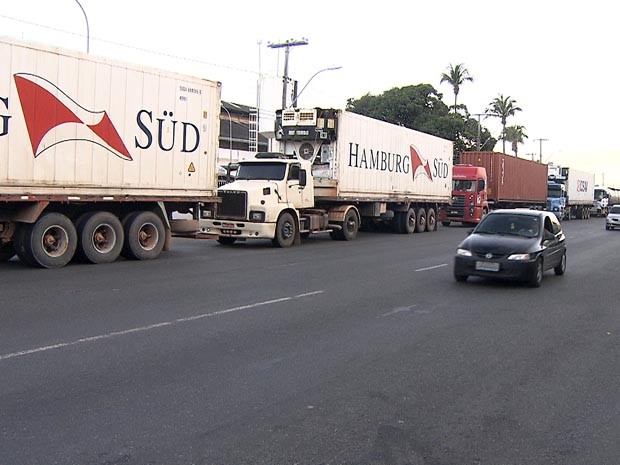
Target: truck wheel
(421, 220)
(144, 236)
(52, 241)
(7, 251)
(100, 237)
(431, 220)
(350, 225)
(285, 231)
(407, 221)
(22, 245)
(225, 240)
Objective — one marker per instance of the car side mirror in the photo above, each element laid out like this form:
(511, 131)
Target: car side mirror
(303, 178)
(547, 236)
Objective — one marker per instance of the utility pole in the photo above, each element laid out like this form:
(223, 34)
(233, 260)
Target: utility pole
(478, 139)
(540, 151)
(287, 46)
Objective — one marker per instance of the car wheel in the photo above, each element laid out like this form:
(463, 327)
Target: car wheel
(461, 278)
(537, 274)
(561, 268)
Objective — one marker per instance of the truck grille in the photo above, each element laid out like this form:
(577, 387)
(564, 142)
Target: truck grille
(233, 206)
(457, 209)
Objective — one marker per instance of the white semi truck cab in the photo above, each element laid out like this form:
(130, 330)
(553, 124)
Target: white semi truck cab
(269, 199)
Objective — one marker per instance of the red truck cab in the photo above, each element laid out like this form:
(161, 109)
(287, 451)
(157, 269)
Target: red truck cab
(469, 202)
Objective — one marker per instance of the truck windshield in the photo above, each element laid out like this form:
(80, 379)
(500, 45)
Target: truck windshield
(554, 192)
(600, 194)
(463, 185)
(265, 170)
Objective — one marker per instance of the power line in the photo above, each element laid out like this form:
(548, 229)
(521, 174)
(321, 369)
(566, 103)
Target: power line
(139, 49)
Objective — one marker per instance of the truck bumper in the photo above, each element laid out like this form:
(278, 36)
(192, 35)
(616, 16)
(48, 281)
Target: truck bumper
(240, 229)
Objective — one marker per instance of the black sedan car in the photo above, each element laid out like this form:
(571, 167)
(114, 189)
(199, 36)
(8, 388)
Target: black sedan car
(513, 244)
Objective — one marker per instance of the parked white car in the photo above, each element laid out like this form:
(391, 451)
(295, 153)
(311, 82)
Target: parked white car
(613, 218)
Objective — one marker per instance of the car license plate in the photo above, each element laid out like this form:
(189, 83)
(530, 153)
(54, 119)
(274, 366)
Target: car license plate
(487, 266)
(228, 225)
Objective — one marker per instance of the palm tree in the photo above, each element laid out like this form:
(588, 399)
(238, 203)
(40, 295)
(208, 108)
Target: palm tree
(503, 107)
(515, 135)
(456, 76)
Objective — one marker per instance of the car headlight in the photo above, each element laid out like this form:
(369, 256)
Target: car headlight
(257, 216)
(519, 256)
(463, 252)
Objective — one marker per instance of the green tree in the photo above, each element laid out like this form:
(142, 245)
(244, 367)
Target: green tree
(421, 107)
(503, 107)
(515, 135)
(456, 76)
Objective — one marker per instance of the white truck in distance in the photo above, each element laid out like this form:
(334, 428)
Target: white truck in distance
(335, 171)
(96, 156)
(570, 192)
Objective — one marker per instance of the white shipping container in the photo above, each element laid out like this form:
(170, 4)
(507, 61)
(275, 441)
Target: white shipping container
(580, 187)
(376, 160)
(74, 124)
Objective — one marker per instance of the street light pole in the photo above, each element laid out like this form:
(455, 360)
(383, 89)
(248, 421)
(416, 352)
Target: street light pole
(229, 134)
(287, 46)
(87, 28)
(296, 95)
(540, 152)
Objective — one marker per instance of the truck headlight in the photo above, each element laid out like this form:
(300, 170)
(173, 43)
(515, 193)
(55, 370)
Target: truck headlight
(519, 256)
(257, 216)
(463, 252)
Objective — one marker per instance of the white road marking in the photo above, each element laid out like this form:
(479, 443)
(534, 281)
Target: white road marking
(399, 310)
(153, 326)
(432, 267)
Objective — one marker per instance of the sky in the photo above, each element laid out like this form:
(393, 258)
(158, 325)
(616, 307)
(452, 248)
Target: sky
(557, 59)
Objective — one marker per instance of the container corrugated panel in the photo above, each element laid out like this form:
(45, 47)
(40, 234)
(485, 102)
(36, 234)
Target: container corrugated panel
(72, 123)
(580, 187)
(378, 160)
(511, 179)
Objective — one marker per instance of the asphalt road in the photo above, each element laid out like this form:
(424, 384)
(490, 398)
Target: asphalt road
(363, 352)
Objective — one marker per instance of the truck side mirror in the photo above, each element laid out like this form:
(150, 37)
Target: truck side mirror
(302, 178)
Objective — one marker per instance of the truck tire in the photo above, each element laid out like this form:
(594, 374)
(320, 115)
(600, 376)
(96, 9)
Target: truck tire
(145, 236)
(285, 231)
(431, 220)
(350, 226)
(407, 221)
(22, 245)
(52, 241)
(100, 237)
(7, 251)
(420, 220)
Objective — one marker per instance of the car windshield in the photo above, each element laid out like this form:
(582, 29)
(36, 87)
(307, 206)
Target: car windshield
(266, 170)
(509, 224)
(463, 185)
(615, 210)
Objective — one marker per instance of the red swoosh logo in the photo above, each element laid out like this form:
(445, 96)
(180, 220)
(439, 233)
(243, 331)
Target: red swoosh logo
(416, 162)
(43, 111)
